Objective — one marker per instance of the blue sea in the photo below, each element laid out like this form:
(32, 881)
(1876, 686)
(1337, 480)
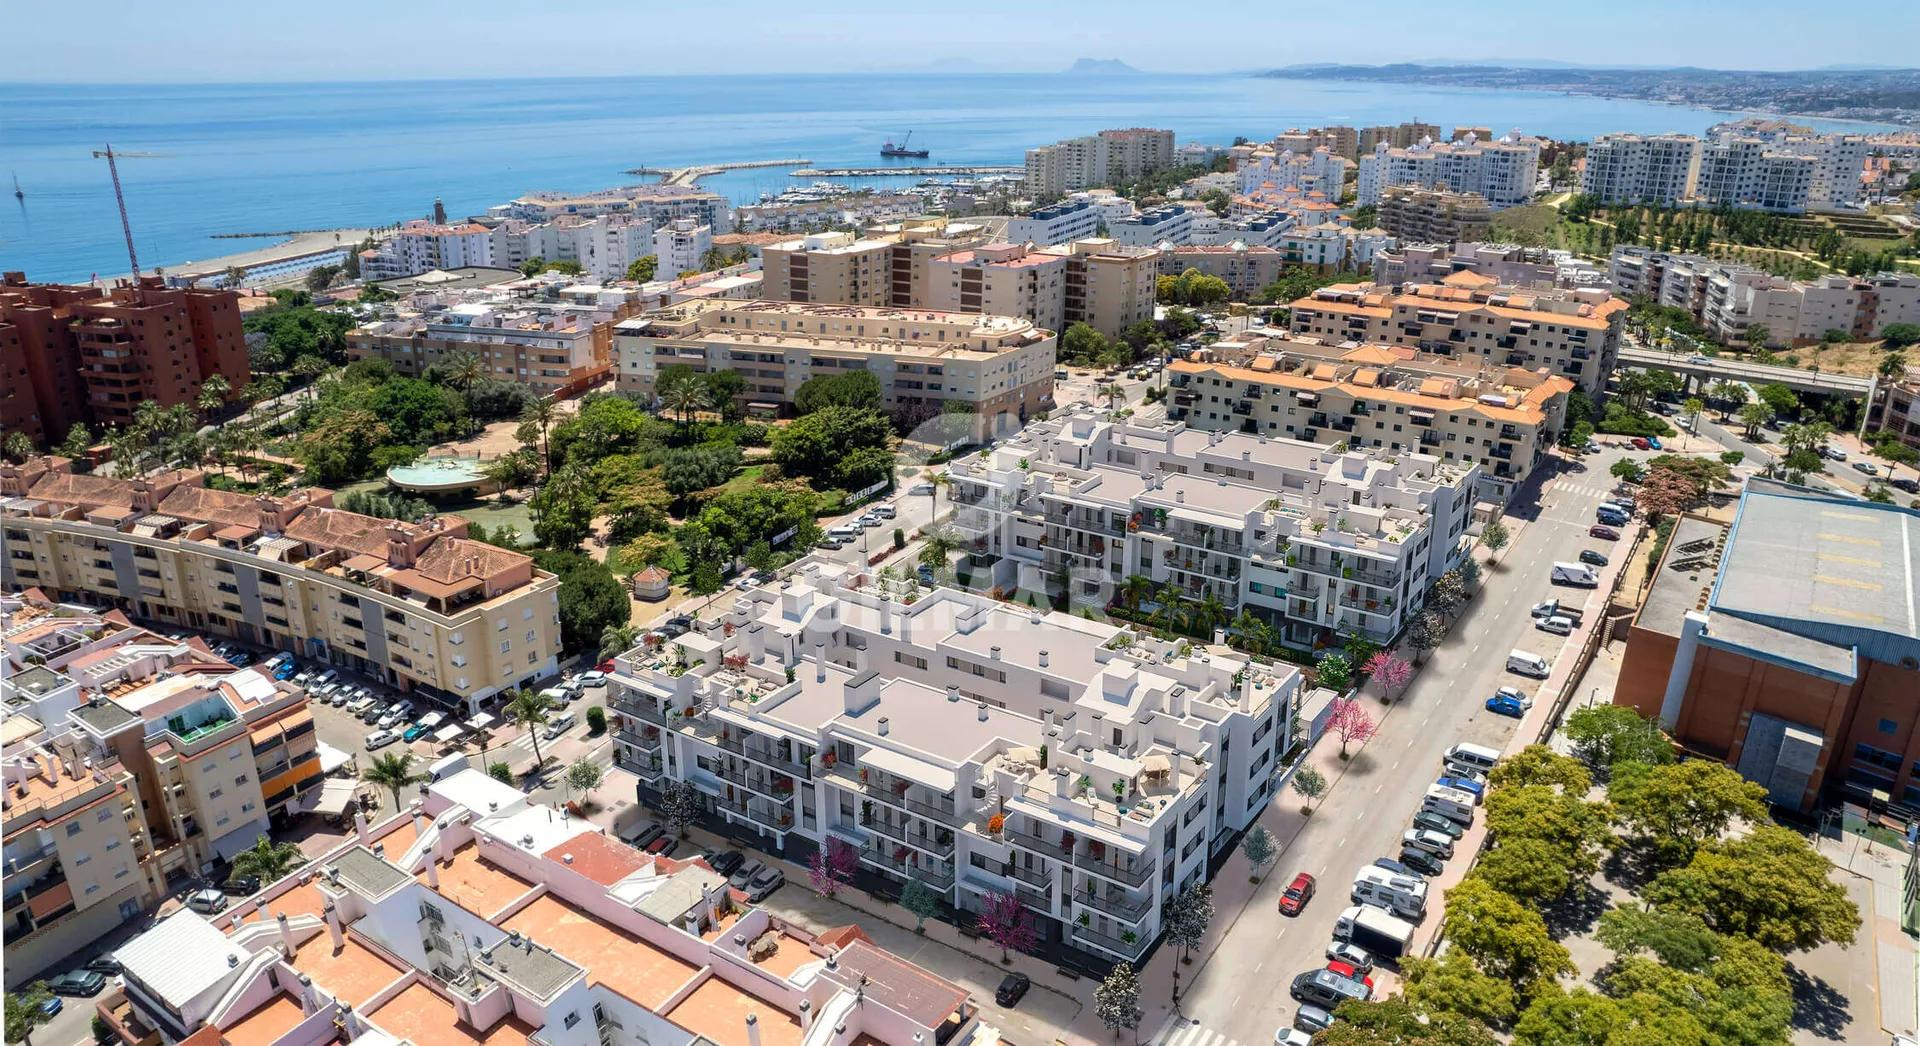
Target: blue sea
(267, 157)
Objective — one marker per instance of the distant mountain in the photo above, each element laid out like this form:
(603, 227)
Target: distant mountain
(1101, 67)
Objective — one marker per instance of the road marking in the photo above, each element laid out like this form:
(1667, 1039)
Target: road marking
(1376, 788)
(1343, 843)
(1395, 766)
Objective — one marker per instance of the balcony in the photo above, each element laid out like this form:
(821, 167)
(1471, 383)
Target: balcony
(940, 879)
(1030, 841)
(765, 756)
(1041, 878)
(1116, 945)
(778, 821)
(646, 740)
(777, 789)
(640, 706)
(919, 840)
(1112, 902)
(1038, 900)
(1130, 874)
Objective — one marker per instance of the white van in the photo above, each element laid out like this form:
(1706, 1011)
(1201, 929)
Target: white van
(1403, 895)
(555, 695)
(446, 766)
(559, 725)
(1578, 575)
(1450, 803)
(1473, 757)
(1527, 663)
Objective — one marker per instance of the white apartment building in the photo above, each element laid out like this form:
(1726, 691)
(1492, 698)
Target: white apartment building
(1313, 170)
(421, 246)
(655, 203)
(1504, 170)
(1094, 160)
(1657, 169)
(1316, 540)
(1170, 223)
(1063, 222)
(1505, 263)
(1258, 229)
(1727, 297)
(557, 348)
(1334, 246)
(1748, 173)
(971, 746)
(604, 245)
(682, 245)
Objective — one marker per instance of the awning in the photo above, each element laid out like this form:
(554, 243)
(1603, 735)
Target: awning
(480, 721)
(1155, 763)
(336, 796)
(239, 839)
(918, 771)
(448, 732)
(331, 758)
(432, 719)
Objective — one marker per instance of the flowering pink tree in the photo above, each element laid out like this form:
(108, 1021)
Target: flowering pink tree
(1005, 923)
(832, 867)
(1390, 671)
(1353, 723)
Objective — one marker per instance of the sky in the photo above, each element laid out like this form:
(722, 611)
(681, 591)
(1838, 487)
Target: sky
(202, 41)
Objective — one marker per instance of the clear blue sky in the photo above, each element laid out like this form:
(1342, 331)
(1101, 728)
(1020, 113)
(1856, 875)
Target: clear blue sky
(227, 40)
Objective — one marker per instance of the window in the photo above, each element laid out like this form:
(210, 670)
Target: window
(572, 1019)
(1888, 726)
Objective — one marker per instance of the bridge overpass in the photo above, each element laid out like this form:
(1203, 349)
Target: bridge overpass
(1710, 369)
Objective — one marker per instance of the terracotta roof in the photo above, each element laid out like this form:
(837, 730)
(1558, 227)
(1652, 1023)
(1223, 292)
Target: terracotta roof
(69, 488)
(338, 528)
(652, 576)
(453, 560)
(207, 505)
(841, 936)
(606, 861)
(1434, 394)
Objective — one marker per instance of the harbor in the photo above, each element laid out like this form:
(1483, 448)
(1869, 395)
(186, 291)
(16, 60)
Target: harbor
(692, 174)
(902, 172)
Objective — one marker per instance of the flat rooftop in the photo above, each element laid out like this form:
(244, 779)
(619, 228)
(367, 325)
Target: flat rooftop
(424, 1017)
(352, 973)
(477, 884)
(719, 1010)
(264, 1026)
(619, 961)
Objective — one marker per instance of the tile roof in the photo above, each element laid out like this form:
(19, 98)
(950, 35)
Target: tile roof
(453, 560)
(207, 505)
(339, 529)
(70, 488)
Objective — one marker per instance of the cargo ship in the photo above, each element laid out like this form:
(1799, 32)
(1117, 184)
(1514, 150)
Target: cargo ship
(891, 149)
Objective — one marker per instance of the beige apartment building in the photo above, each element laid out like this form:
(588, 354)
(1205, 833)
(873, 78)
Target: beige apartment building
(1246, 269)
(1099, 159)
(1001, 279)
(555, 351)
(1417, 215)
(888, 266)
(923, 359)
(1574, 333)
(417, 605)
(1502, 418)
(1109, 287)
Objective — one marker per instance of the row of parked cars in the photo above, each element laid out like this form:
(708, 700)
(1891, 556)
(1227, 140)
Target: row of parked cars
(837, 536)
(756, 879)
(1388, 898)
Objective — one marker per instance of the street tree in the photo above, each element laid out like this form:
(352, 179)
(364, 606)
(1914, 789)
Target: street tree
(1626, 470)
(1004, 921)
(1751, 416)
(25, 1011)
(1784, 402)
(1449, 593)
(1676, 807)
(832, 867)
(1397, 1022)
(394, 772)
(1311, 784)
(1259, 847)
(1116, 1000)
(1678, 939)
(1528, 868)
(1770, 886)
(680, 804)
(1335, 671)
(1390, 670)
(1506, 937)
(1495, 537)
(1186, 925)
(1540, 765)
(1603, 736)
(583, 776)
(917, 897)
(1452, 984)
(1426, 633)
(529, 709)
(1692, 409)
(501, 772)
(1352, 722)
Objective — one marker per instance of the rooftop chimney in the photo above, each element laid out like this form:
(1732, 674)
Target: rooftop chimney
(1043, 659)
(983, 711)
(885, 726)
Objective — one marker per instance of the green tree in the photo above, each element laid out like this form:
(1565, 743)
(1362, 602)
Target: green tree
(1781, 399)
(583, 776)
(1453, 984)
(530, 711)
(1680, 940)
(24, 1012)
(1425, 634)
(214, 391)
(1603, 736)
(617, 638)
(1579, 832)
(1626, 470)
(1495, 536)
(1770, 886)
(77, 443)
(1116, 1000)
(1508, 939)
(1259, 846)
(1757, 335)
(642, 270)
(591, 597)
(1081, 344)
(393, 771)
(919, 899)
(1751, 417)
(1542, 766)
(1582, 1017)
(562, 509)
(1397, 1022)
(267, 860)
(1311, 784)
(596, 720)
(725, 389)
(501, 772)
(858, 389)
(687, 470)
(1335, 671)
(814, 443)
(681, 390)
(17, 448)
(1679, 806)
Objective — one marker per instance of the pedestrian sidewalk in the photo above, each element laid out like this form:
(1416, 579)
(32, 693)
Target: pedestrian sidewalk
(1894, 952)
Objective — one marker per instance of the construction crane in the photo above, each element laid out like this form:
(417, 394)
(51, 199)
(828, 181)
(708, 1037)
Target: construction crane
(126, 228)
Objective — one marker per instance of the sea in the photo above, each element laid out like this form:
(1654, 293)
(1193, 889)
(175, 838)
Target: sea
(253, 158)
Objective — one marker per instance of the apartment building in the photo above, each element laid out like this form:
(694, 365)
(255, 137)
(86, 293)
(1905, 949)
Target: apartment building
(1400, 136)
(1761, 645)
(1251, 520)
(555, 349)
(1574, 333)
(1748, 174)
(1108, 286)
(1333, 246)
(1307, 169)
(1253, 228)
(682, 246)
(1340, 141)
(1501, 419)
(1169, 223)
(419, 606)
(1247, 269)
(1079, 218)
(658, 204)
(1106, 158)
(994, 364)
(421, 246)
(604, 246)
(84, 355)
(861, 209)
(1503, 171)
(479, 915)
(1506, 264)
(1656, 169)
(1001, 279)
(1416, 215)
(887, 266)
(976, 748)
(1727, 297)
(1898, 410)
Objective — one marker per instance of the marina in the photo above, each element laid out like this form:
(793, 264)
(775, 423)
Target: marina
(902, 172)
(690, 175)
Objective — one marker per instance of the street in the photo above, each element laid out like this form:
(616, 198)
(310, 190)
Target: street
(1236, 991)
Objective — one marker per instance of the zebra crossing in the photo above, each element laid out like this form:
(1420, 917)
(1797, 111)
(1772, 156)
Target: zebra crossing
(1182, 1031)
(1585, 489)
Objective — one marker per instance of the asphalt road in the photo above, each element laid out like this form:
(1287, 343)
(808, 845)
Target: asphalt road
(1240, 993)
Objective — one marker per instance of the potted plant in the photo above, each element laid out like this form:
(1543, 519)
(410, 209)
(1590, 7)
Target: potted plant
(1085, 919)
(996, 823)
(1129, 937)
(863, 775)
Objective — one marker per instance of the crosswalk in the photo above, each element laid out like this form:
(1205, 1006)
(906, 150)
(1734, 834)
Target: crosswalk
(1180, 1031)
(1587, 489)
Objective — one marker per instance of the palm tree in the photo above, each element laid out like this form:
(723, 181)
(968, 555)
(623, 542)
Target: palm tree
(1169, 599)
(1134, 589)
(267, 860)
(936, 481)
(465, 369)
(684, 393)
(213, 393)
(393, 771)
(1209, 613)
(529, 709)
(616, 639)
(308, 369)
(542, 412)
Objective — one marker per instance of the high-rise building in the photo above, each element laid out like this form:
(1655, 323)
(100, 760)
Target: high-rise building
(1099, 159)
(682, 246)
(1749, 174)
(1401, 136)
(82, 355)
(1658, 169)
(1784, 170)
(1417, 215)
(886, 266)
(1504, 170)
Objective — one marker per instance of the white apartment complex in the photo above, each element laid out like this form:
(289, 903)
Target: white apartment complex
(972, 746)
(1094, 160)
(421, 246)
(1657, 169)
(1309, 170)
(1168, 223)
(556, 348)
(681, 245)
(1063, 222)
(1315, 540)
(1504, 170)
(1507, 264)
(1726, 297)
(1785, 173)
(654, 203)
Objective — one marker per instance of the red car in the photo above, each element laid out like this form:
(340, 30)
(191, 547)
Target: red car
(604, 666)
(1640, 443)
(1599, 531)
(1299, 892)
(1346, 970)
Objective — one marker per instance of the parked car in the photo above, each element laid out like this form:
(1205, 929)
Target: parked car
(1592, 557)
(392, 719)
(414, 733)
(922, 489)
(769, 880)
(742, 876)
(725, 861)
(1349, 972)
(1866, 468)
(1833, 453)
(52, 1006)
(885, 511)
(1640, 443)
(828, 541)
(1012, 987)
(76, 982)
(207, 902)
(1432, 822)
(1653, 443)
(1557, 624)
(1351, 954)
(1462, 784)
(1298, 893)
(1604, 532)
(1313, 1019)
(1506, 706)
(592, 678)
(1393, 866)
(1438, 844)
(380, 739)
(643, 833)
(105, 965)
(664, 846)
(1426, 862)
(1910, 486)
(241, 885)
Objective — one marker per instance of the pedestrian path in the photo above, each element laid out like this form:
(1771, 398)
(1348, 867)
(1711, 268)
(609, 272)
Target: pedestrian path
(1180, 1031)
(1588, 488)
